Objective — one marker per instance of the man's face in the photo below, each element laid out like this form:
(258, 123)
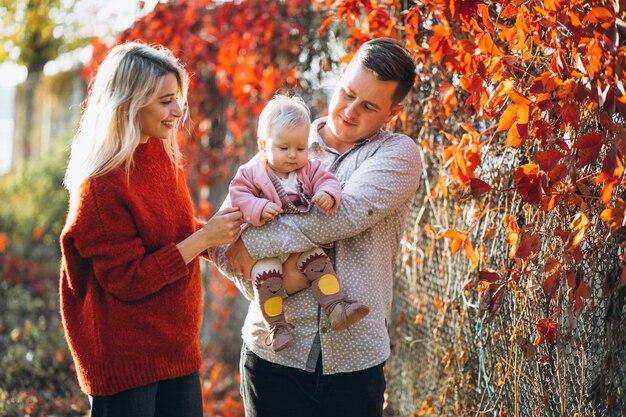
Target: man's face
(361, 104)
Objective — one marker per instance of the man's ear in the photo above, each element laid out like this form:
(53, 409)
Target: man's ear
(261, 143)
(395, 109)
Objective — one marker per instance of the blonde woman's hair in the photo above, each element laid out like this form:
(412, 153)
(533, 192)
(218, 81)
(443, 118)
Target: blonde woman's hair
(282, 112)
(128, 79)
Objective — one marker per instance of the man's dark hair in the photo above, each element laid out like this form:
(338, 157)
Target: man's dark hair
(389, 61)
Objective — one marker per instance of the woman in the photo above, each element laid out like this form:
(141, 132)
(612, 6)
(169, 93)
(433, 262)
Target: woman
(130, 281)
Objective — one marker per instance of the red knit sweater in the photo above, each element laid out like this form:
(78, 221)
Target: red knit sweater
(131, 308)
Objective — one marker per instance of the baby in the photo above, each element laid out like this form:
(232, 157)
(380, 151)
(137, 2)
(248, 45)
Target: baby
(281, 179)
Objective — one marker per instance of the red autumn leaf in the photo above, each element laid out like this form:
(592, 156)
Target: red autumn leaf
(545, 83)
(546, 330)
(578, 296)
(612, 167)
(479, 187)
(529, 244)
(489, 276)
(548, 159)
(548, 201)
(552, 269)
(588, 148)
(530, 182)
(448, 98)
(570, 113)
(557, 174)
(523, 114)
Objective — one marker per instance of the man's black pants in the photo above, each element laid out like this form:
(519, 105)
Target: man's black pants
(271, 390)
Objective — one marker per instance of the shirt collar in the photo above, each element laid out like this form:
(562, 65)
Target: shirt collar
(316, 140)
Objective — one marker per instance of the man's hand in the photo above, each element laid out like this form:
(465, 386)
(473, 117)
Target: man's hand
(293, 279)
(270, 211)
(325, 202)
(240, 259)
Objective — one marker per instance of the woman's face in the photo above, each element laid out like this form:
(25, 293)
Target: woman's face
(159, 117)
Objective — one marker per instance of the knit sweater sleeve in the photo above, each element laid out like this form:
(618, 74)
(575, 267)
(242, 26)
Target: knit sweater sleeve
(104, 233)
(244, 194)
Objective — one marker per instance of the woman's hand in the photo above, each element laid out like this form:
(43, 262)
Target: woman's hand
(222, 228)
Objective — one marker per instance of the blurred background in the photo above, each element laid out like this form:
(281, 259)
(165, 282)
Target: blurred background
(510, 288)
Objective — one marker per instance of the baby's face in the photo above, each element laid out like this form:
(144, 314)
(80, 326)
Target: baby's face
(287, 149)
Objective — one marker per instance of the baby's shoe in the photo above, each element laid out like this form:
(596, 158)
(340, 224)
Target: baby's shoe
(346, 313)
(280, 336)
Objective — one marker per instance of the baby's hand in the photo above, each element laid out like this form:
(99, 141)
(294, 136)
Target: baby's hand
(270, 211)
(325, 202)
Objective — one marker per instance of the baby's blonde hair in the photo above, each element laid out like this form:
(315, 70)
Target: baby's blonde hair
(109, 133)
(282, 112)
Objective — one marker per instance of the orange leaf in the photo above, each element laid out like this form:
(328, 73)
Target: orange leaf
(517, 97)
(448, 96)
(580, 221)
(615, 216)
(324, 26)
(509, 116)
(4, 242)
(599, 15)
(517, 135)
(588, 148)
(471, 254)
(456, 244)
(483, 11)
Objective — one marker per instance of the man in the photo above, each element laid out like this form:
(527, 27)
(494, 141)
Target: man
(327, 372)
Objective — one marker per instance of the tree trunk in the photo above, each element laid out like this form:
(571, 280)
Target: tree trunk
(25, 109)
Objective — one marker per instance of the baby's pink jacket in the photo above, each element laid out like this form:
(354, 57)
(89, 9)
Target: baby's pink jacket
(252, 189)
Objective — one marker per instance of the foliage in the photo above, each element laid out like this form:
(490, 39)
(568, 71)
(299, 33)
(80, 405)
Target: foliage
(34, 208)
(520, 108)
(36, 366)
(540, 83)
(36, 31)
